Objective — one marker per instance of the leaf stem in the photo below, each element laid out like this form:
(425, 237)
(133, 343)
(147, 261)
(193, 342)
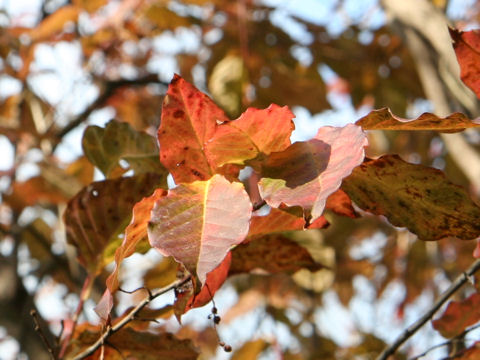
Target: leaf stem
(131, 315)
(412, 329)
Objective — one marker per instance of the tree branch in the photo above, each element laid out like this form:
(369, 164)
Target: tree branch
(131, 315)
(109, 89)
(412, 329)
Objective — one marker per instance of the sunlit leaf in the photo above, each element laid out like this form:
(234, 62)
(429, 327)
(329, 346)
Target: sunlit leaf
(198, 223)
(54, 23)
(99, 213)
(105, 147)
(458, 316)
(414, 196)
(308, 172)
(189, 119)
(254, 132)
(467, 49)
(383, 119)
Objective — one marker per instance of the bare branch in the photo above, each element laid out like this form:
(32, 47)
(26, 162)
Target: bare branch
(38, 329)
(109, 89)
(131, 316)
(412, 329)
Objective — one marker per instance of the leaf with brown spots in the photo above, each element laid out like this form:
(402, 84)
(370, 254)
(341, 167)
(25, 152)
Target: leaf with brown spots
(414, 196)
(467, 48)
(273, 253)
(458, 316)
(383, 119)
(189, 120)
(99, 213)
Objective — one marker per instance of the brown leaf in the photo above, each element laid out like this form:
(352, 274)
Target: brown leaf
(98, 214)
(272, 253)
(414, 196)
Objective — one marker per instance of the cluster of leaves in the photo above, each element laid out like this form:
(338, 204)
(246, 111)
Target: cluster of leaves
(244, 196)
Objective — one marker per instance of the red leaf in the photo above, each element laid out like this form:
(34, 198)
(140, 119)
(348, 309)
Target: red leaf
(198, 223)
(255, 131)
(467, 49)
(189, 119)
(308, 172)
(458, 316)
(383, 119)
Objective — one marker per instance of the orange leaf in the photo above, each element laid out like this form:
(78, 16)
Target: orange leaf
(254, 132)
(383, 119)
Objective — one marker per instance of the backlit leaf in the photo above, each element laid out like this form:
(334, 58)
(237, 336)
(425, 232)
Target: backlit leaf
(105, 147)
(458, 316)
(467, 49)
(308, 172)
(98, 214)
(250, 350)
(272, 253)
(189, 119)
(198, 223)
(383, 119)
(254, 132)
(414, 196)
(54, 23)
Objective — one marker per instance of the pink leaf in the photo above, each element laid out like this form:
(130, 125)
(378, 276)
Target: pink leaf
(306, 173)
(198, 223)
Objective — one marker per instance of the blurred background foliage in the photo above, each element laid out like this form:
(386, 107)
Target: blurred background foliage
(68, 64)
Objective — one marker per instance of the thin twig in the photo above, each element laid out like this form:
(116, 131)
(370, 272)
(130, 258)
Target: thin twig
(38, 329)
(131, 316)
(412, 329)
(458, 338)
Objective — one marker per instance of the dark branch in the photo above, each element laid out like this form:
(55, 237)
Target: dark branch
(38, 329)
(130, 317)
(412, 329)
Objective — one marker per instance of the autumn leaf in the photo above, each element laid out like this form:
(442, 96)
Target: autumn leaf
(189, 120)
(54, 24)
(414, 196)
(250, 350)
(198, 223)
(255, 132)
(383, 119)
(458, 316)
(98, 214)
(272, 253)
(105, 147)
(467, 48)
(133, 344)
(306, 173)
